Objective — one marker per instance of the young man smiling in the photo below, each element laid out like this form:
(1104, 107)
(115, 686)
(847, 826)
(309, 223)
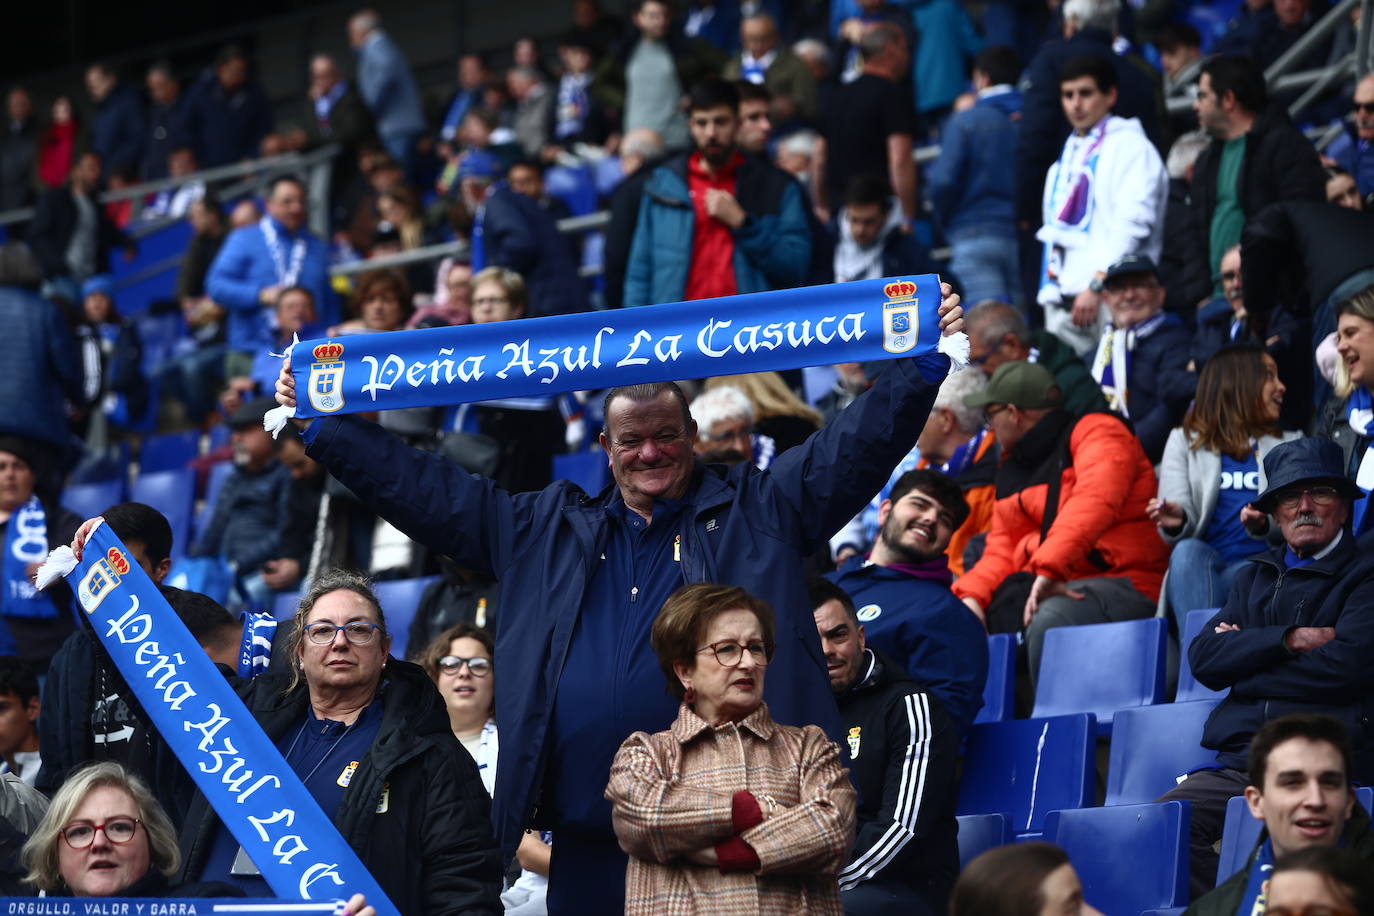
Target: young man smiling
(902, 593)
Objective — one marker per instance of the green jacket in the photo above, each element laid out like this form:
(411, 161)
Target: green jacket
(1081, 394)
(788, 76)
(1225, 899)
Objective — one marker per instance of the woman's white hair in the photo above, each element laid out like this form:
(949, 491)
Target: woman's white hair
(724, 402)
(951, 395)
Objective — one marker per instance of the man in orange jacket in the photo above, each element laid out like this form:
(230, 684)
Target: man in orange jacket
(1070, 516)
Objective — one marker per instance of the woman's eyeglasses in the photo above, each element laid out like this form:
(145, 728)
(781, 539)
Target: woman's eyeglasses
(730, 654)
(452, 664)
(358, 632)
(119, 830)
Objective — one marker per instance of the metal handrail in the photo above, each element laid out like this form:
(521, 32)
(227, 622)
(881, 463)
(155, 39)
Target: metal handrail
(429, 253)
(1299, 80)
(1317, 33)
(272, 165)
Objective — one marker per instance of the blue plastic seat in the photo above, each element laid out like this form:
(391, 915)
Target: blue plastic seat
(999, 693)
(1189, 687)
(168, 451)
(219, 436)
(1240, 831)
(90, 499)
(1026, 768)
(1130, 857)
(1170, 911)
(1100, 668)
(980, 832)
(586, 469)
(576, 187)
(214, 481)
(1152, 747)
(173, 493)
(284, 605)
(400, 598)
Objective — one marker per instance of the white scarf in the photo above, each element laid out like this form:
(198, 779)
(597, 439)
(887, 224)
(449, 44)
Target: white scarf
(287, 273)
(1112, 364)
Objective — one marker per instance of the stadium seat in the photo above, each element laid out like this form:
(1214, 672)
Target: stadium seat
(1130, 857)
(980, 832)
(1026, 768)
(608, 175)
(168, 451)
(594, 255)
(400, 598)
(214, 479)
(1171, 911)
(90, 499)
(219, 435)
(999, 693)
(574, 186)
(285, 604)
(173, 493)
(1188, 687)
(1153, 746)
(586, 469)
(1100, 668)
(1240, 832)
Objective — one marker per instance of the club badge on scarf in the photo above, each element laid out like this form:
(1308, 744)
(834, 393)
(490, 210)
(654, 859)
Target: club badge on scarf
(26, 542)
(252, 789)
(863, 321)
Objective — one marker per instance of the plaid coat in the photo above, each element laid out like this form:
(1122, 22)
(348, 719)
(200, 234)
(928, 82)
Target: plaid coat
(676, 791)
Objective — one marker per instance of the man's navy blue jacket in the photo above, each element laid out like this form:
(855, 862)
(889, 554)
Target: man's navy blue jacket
(741, 526)
(117, 129)
(1266, 679)
(926, 629)
(519, 235)
(1161, 387)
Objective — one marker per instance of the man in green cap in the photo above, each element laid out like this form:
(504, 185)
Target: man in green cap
(1069, 517)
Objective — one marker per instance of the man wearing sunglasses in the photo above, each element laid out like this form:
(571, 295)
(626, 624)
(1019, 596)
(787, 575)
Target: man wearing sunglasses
(1296, 634)
(1353, 150)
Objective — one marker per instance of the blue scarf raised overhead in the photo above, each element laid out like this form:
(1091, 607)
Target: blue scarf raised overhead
(787, 329)
(26, 541)
(242, 774)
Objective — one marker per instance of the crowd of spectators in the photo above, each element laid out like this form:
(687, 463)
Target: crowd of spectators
(1168, 408)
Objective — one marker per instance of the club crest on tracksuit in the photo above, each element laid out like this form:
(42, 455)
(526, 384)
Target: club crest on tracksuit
(901, 324)
(326, 378)
(854, 738)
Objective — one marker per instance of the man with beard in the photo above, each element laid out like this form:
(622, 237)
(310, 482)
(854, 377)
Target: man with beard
(903, 759)
(715, 222)
(902, 591)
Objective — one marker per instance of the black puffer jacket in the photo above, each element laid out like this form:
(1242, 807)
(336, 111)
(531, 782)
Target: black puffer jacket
(432, 850)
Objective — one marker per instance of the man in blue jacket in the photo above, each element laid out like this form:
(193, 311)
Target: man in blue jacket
(715, 222)
(257, 262)
(227, 115)
(387, 86)
(583, 577)
(118, 125)
(971, 188)
(902, 592)
(1296, 635)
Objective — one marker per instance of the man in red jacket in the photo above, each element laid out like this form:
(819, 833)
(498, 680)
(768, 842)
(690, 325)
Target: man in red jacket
(1069, 517)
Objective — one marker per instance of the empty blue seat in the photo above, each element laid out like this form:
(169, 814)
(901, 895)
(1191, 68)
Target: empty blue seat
(168, 451)
(576, 187)
(1240, 831)
(173, 493)
(1026, 768)
(980, 832)
(999, 693)
(284, 605)
(1100, 668)
(586, 469)
(400, 598)
(219, 435)
(90, 499)
(214, 480)
(1188, 686)
(1153, 746)
(1130, 857)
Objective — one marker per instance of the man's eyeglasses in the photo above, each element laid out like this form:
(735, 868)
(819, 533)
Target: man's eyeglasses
(452, 664)
(725, 435)
(491, 300)
(119, 830)
(358, 632)
(1320, 496)
(1226, 276)
(993, 410)
(730, 654)
(1364, 107)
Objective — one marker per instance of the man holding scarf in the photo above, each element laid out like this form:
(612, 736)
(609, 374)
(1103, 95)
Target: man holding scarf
(1142, 358)
(583, 577)
(1104, 198)
(34, 623)
(1300, 786)
(257, 263)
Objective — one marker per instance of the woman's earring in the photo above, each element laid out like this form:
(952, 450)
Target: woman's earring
(689, 695)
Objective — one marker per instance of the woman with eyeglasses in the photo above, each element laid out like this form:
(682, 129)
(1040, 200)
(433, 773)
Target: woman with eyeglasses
(727, 811)
(1321, 881)
(459, 660)
(370, 738)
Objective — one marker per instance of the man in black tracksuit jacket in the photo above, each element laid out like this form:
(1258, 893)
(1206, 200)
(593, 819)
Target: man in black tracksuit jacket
(903, 758)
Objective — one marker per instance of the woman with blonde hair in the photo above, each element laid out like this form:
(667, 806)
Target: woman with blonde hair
(1348, 418)
(1213, 468)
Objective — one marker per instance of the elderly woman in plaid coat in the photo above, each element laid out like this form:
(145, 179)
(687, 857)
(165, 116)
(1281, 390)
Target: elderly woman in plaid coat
(728, 812)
